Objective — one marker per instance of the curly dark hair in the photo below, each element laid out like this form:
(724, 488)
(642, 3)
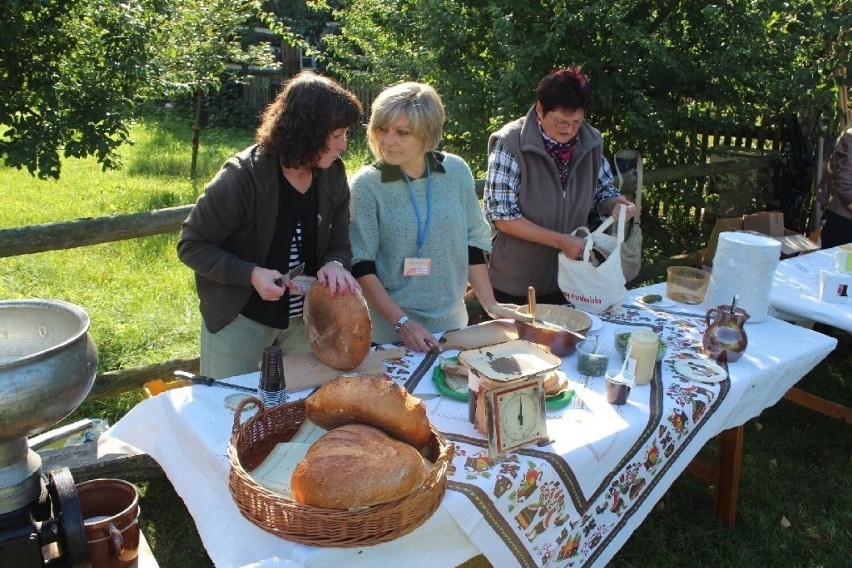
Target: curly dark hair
(566, 88)
(297, 123)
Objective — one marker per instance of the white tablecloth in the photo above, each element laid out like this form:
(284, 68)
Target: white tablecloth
(795, 291)
(187, 430)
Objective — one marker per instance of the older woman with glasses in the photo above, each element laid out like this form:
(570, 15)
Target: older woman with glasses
(418, 233)
(546, 174)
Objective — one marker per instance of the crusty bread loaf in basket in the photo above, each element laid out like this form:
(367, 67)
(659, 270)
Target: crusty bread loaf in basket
(252, 441)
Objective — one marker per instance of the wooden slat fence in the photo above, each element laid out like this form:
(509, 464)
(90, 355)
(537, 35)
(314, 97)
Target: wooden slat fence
(710, 136)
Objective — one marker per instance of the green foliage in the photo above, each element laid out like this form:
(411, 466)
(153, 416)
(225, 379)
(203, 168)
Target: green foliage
(196, 40)
(651, 63)
(71, 71)
(68, 74)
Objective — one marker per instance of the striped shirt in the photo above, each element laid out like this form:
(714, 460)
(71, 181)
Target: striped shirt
(297, 301)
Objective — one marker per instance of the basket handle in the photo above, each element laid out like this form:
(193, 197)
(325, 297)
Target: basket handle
(239, 410)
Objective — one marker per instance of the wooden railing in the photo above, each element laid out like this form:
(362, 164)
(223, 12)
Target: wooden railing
(91, 231)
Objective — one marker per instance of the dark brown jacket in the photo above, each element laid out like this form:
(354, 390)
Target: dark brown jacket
(229, 231)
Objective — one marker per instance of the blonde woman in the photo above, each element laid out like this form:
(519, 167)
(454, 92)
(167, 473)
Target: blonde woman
(418, 233)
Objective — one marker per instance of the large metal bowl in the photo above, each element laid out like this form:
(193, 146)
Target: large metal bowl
(48, 364)
(561, 343)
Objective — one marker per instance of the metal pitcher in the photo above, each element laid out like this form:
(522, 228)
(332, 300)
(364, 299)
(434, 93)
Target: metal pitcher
(725, 337)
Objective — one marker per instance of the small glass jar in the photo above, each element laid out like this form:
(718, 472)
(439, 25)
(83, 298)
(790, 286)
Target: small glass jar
(593, 357)
(643, 346)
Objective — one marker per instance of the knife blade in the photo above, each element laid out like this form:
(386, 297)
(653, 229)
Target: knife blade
(297, 271)
(209, 381)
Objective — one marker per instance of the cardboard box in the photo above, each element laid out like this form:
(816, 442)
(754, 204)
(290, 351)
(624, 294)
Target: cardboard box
(769, 223)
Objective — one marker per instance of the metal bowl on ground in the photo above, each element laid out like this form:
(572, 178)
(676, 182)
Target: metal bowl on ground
(561, 342)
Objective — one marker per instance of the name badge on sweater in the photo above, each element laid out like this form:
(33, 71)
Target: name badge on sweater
(417, 267)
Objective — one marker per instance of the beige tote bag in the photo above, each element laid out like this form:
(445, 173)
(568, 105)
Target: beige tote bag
(590, 287)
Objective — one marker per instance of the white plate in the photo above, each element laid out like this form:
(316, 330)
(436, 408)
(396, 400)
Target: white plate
(232, 401)
(664, 303)
(701, 370)
(597, 323)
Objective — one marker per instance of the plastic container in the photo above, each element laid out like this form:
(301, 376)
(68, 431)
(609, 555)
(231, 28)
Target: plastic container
(622, 336)
(643, 346)
(687, 285)
(593, 357)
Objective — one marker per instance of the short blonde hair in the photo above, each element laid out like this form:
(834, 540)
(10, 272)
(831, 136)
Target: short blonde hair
(419, 102)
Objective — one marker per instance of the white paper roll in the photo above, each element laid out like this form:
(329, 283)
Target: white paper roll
(744, 265)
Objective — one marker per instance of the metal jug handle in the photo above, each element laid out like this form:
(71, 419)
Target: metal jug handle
(712, 311)
(116, 540)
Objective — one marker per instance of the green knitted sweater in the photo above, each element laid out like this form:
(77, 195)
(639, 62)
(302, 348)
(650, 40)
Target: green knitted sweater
(383, 230)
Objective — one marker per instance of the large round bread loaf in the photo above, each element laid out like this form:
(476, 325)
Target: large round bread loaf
(356, 466)
(370, 399)
(338, 327)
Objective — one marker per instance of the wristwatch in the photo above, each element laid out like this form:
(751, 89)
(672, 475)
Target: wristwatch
(400, 322)
(338, 263)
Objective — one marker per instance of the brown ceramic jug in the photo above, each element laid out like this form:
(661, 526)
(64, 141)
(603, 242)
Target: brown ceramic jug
(111, 511)
(725, 337)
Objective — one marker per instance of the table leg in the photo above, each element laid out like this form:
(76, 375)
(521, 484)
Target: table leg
(821, 405)
(728, 476)
(724, 475)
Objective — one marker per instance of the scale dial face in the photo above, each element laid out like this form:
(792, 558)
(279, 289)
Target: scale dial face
(515, 414)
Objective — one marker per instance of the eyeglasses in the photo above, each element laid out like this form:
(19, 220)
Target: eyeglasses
(566, 123)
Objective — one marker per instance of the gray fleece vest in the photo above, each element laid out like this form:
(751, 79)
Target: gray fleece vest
(516, 264)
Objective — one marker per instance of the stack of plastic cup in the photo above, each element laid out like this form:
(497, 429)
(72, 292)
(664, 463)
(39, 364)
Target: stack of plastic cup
(272, 389)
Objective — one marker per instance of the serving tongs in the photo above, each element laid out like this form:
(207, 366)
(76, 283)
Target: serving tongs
(211, 382)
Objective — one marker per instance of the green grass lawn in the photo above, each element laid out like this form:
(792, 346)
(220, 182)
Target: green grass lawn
(795, 500)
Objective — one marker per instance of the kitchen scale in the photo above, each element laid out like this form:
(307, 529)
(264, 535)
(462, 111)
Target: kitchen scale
(506, 393)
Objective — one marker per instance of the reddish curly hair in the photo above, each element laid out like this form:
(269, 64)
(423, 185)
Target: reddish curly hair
(566, 88)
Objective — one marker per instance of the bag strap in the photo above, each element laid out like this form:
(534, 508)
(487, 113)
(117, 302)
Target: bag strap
(590, 239)
(621, 221)
(578, 230)
(607, 223)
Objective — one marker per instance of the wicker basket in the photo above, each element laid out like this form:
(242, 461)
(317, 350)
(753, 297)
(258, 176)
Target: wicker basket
(252, 442)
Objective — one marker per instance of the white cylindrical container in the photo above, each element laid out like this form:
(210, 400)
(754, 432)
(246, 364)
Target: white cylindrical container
(643, 348)
(744, 265)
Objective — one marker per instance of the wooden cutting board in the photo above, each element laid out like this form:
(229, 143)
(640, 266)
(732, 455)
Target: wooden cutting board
(486, 333)
(305, 371)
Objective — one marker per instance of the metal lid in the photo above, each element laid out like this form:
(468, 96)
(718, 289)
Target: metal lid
(509, 361)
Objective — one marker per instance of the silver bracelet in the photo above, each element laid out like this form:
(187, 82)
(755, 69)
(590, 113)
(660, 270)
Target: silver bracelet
(338, 263)
(400, 322)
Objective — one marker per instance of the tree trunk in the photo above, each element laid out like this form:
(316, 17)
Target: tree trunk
(196, 132)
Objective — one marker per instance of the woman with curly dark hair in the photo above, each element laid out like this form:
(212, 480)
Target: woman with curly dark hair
(276, 205)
